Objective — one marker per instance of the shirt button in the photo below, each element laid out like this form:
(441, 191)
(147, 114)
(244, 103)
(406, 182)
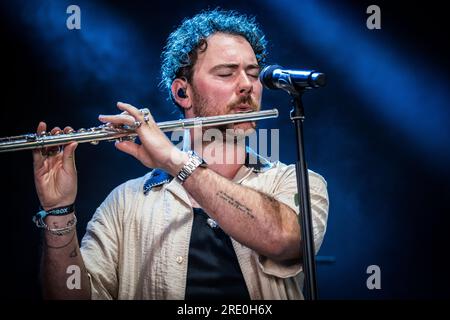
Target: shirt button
(179, 259)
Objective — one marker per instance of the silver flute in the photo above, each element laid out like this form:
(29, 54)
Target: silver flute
(109, 133)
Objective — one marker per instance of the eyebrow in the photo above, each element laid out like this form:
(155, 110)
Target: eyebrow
(234, 66)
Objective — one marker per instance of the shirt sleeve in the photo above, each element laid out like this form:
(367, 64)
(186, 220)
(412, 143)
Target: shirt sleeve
(99, 247)
(285, 191)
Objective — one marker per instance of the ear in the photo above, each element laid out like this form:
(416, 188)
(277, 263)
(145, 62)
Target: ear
(177, 85)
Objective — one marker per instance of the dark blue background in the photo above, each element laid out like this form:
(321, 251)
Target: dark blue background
(379, 132)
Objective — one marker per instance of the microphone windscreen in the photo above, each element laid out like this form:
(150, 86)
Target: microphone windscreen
(266, 76)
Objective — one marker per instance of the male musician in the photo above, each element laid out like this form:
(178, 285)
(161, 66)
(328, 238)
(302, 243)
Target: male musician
(192, 228)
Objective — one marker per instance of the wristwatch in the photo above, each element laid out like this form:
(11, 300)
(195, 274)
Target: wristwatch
(193, 163)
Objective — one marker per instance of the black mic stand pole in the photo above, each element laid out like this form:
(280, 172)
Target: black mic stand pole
(305, 217)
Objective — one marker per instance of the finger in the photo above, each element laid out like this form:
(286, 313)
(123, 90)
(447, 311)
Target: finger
(56, 130)
(42, 126)
(69, 157)
(37, 156)
(53, 151)
(129, 147)
(148, 118)
(138, 114)
(119, 119)
(68, 129)
(131, 110)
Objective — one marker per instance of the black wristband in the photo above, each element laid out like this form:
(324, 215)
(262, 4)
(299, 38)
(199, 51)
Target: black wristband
(59, 211)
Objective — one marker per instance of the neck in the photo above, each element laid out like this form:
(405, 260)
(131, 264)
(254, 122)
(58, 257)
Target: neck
(223, 157)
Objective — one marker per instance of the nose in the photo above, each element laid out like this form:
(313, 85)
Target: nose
(245, 85)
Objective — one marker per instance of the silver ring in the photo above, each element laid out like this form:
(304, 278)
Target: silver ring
(145, 111)
(137, 124)
(146, 118)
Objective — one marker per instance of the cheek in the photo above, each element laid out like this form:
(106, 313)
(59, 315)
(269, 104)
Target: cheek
(217, 93)
(257, 96)
(206, 85)
(258, 88)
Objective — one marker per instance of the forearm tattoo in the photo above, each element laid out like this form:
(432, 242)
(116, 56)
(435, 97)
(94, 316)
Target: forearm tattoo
(234, 203)
(60, 247)
(74, 253)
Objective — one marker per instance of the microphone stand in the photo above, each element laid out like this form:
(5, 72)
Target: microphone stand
(305, 218)
(295, 82)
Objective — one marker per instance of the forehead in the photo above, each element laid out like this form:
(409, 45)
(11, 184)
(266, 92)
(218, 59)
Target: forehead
(226, 48)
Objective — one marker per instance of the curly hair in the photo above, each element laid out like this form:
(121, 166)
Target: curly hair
(183, 45)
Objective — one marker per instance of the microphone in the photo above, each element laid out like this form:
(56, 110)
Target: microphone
(293, 81)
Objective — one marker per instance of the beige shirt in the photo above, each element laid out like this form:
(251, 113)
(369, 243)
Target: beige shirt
(136, 245)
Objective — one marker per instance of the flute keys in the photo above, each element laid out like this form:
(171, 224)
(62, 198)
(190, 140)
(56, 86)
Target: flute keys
(126, 138)
(29, 137)
(94, 129)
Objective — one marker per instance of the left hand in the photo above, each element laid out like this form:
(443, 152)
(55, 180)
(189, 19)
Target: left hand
(155, 150)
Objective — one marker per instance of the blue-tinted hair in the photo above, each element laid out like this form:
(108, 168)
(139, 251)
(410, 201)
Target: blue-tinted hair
(181, 51)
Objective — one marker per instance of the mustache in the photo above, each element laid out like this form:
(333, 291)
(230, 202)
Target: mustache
(248, 100)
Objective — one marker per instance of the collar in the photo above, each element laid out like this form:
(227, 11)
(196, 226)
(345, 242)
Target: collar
(256, 162)
(253, 161)
(157, 178)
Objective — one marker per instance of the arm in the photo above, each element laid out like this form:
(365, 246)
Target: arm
(56, 185)
(253, 218)
(60, 252)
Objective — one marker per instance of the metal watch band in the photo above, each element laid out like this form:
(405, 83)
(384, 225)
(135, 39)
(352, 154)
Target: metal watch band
(193, 163)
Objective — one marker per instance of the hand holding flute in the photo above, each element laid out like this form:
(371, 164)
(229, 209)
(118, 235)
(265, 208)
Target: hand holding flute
(55, 172)
(155, 150)
(55, 176)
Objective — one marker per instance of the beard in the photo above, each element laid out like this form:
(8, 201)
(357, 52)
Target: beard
(202, 107)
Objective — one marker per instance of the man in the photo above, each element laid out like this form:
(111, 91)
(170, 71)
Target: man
(221, 230)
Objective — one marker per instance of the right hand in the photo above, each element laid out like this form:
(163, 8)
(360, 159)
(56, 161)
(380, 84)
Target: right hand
(55, 176)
